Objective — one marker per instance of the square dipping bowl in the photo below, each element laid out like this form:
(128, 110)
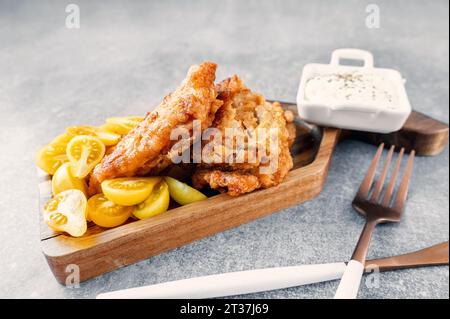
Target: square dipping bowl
(368, 115)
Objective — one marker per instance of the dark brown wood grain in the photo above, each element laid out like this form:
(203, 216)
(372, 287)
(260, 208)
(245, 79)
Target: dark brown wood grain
(427, 136)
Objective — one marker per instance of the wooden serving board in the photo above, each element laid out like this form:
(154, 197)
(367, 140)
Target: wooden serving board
(101, 250)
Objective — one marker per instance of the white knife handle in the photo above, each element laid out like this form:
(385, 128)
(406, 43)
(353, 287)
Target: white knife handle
(234, 283)
(349, 285)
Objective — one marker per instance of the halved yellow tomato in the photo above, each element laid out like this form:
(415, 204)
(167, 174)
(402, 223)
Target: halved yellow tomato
(105, 213)
(156, 203)
(63, 180)
(182, 193)
(121, 125)
(108, 138)
(112, 128)
(50, 157)
(84, 152)
(129, 191)
(80, 130)
(67, 212)
(63, 138)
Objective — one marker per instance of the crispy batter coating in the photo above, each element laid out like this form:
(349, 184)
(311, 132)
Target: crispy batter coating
(248, 113)
(235, 182)
(145, 149)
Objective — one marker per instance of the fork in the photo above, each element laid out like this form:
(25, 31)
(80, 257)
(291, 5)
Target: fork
(376, 209)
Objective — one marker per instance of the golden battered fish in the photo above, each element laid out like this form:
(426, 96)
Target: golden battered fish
(146, 148)
(250, 115)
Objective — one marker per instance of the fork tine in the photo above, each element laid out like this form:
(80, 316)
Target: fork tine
(391, 185)
(379, 185)
(403, 188)
(364, 189)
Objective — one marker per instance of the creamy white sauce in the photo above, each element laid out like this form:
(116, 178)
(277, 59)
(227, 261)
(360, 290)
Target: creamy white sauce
(354, 87)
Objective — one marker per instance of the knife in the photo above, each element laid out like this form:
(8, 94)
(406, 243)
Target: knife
(251, 281)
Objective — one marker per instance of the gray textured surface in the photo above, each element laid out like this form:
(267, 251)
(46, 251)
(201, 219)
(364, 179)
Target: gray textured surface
(125, 57)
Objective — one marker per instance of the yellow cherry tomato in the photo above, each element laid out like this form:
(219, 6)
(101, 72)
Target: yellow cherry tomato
(63, 180)
(84, 152)
(122, 125)
(129, 191)
(50, 157)
(112, 128)
(63, 138)
(105, 213)
(67, 212)
(108, 138)
(182, 193)
(156, 203)
(80, 130)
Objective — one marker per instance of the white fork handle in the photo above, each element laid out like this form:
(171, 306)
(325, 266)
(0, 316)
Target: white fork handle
(349, 285)
(234, 283)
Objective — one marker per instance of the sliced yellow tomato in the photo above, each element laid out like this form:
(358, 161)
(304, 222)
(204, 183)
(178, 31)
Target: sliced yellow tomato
(84, 152)
(50, 157)
(80, 130)
(112, 128)
(67, 212)
(122, 125)
(108, 138)
(63, 180)
(105, 213)
(156, 203)
(63, 138)
(182, 193)
(129, 191)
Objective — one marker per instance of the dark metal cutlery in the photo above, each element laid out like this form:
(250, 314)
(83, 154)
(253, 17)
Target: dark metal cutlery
(256, 280)
(378, 204)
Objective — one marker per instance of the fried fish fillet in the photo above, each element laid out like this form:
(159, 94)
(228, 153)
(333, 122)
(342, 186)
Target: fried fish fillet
(146, 148)
(250, 115)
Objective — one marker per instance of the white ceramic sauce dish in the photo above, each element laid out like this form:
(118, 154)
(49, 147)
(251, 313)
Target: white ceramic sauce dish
(361, 98)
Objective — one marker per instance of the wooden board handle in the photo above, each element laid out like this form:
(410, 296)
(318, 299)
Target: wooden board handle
(422, 133)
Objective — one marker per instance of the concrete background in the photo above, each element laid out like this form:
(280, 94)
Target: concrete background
(127, 56)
